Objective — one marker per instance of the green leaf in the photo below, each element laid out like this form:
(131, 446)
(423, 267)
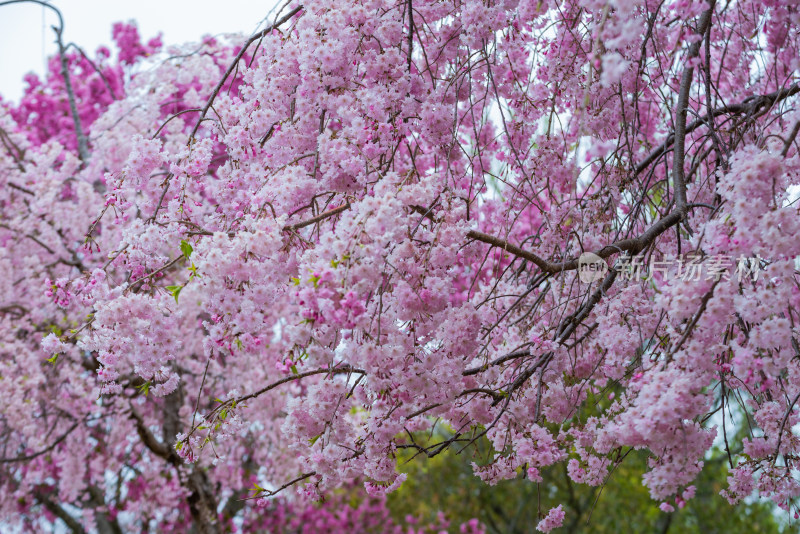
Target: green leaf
(175, 291)
(145, 388)
(52, 359)
(295, 281)
(294, 369)
(186, 248)
(313, 440)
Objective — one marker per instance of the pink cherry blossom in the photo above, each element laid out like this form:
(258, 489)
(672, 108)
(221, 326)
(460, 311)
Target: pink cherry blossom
(252, 264)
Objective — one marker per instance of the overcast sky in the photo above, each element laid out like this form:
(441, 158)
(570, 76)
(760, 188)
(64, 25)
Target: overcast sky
(26, 38)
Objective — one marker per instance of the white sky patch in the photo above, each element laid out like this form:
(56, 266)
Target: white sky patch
(27, 39)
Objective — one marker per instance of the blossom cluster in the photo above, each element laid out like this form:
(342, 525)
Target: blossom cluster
(287, 256)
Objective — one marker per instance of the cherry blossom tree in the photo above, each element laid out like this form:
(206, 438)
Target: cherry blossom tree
(569, 227)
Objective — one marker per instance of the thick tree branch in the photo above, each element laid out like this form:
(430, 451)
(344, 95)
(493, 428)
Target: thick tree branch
(318, 218)
(156, 447)
(679, 155)
(83, 144)
(47, 449)
(632, 246)
(749, 105)
(335, 371)
(55, 509)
